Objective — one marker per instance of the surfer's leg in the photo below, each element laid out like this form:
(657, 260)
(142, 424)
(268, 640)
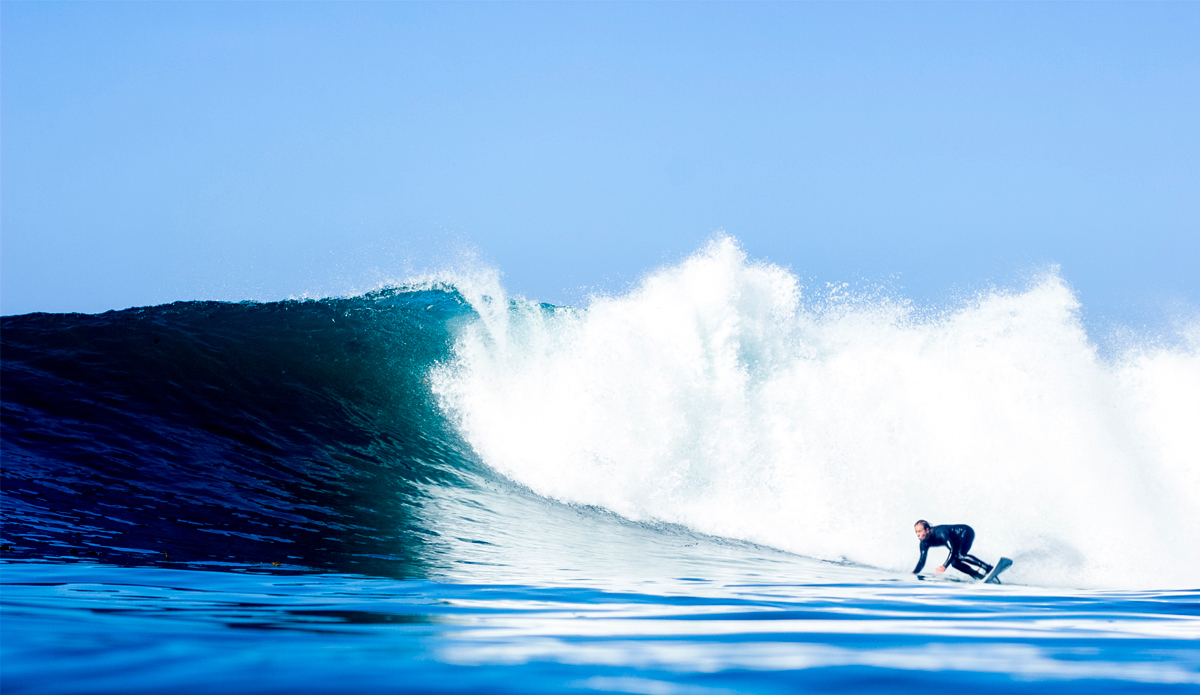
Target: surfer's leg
(965, 541)
(967, 561)
(978, 563)
(966, 569)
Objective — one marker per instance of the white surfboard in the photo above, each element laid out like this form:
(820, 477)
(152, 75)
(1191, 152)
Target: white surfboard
(993, 577)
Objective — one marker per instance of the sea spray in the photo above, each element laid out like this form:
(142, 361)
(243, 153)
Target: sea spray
(715, 396)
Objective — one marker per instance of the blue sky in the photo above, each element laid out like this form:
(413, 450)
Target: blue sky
(154, 152)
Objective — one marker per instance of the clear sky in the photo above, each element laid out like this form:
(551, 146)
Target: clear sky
(154, 152)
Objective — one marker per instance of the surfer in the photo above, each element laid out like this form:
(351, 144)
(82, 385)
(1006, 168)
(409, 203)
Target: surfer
(958, 537)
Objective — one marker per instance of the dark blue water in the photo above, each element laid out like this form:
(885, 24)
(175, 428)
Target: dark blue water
(267, 498)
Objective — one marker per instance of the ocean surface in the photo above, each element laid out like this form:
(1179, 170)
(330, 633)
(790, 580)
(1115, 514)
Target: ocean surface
(706, 484)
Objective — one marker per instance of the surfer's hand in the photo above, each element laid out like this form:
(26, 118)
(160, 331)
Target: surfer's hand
(940, 570)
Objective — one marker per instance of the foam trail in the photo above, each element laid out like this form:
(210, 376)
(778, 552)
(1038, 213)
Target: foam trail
(714, 397)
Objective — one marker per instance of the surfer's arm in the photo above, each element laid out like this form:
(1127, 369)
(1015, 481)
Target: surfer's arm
(921, 562)
(953, 556)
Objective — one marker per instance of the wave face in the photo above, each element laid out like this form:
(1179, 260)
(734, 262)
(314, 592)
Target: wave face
(716, 396)
(405, 432)
(298, 433)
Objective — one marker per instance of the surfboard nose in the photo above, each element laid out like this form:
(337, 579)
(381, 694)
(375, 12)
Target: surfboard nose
(993, 577)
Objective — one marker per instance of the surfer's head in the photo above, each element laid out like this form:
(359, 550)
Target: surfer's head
(922, 529)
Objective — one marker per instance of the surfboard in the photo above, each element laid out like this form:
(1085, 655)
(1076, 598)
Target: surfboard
(946, 577)
(993, 577)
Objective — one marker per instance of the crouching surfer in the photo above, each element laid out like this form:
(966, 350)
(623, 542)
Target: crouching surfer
(958, 537)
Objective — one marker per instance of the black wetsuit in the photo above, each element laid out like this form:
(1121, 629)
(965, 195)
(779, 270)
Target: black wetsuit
(958, 537)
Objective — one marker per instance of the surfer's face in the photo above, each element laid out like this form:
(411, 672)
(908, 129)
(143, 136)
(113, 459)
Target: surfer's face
(921, 532)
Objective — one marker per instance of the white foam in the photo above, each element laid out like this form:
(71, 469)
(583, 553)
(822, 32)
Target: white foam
(713, 396)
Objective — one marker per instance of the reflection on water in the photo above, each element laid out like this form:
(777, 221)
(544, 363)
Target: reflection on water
(89, 628)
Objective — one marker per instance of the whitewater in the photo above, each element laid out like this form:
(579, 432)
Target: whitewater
(718, 395)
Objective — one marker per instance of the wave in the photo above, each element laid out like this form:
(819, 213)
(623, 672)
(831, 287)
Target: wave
(718, 396)
(434, 429)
